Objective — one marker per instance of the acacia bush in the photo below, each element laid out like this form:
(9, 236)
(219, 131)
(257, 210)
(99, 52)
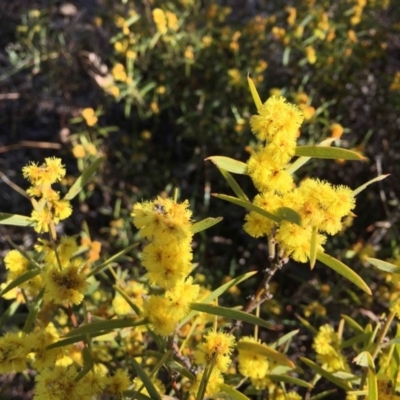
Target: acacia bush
(142, 93)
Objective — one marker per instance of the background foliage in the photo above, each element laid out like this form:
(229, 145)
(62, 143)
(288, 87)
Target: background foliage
(103, 77)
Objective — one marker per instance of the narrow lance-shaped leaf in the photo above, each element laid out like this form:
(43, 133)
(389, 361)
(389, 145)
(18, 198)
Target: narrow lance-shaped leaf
(33, 310)
(364, 359)
(232, 314)
(285, 338)
(148, 384)
(254, 93)
(372, 385)
(15, 220)
(303, 160)
(323, 394)
(87, 364)
(313, 330)
(126, 297)
(288, 214)
(384, 265)
(289, 379)
(205, 224)
(344, 270)
(83, 179)
(266, 351)
(232, 392)
(328, 153)
(105, 326)
(100, 267)
(26, 276)
(324, 373)
(286, 56)
(233, 185)
(248, 206)
(362, 187)
(205, 379)
(355, 325)
(218, 292)
(313, 248)
(229, 164)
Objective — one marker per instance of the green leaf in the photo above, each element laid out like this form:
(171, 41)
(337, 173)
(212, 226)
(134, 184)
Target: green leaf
(98, 336)
(362, 337)
(327, 375)
(286, 56)
(362, 187)
(205, 224)
(355, 325)
(181, 369)
(364, 359)
(87, 364)
(127, 299)
(100, 267)
(105, 326)
(33, 310)
(313, 330)
(229, 164)
(83, 179)
(328, 153)
(231, 314)
(248, 206)
(254, 93)
(288, 214)
(324, 394)
(303, 160)
(266, 351)
(204, 379)
(15, 219)
(148, 384)
(233, 185)
(9, 312)
(384, 266)
(140, 396)
(219, 292)
(232, 392)
(26, 276)
(344, 270)
(289, 379)
(285, 338)
(313, 248)
(372, 385)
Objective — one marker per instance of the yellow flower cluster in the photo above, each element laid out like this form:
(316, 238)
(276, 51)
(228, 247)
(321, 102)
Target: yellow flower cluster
(49, 210)
(253, 365)
(327, 346)
(216, 349)
(167, 258)
(320, 205)
(165, 20)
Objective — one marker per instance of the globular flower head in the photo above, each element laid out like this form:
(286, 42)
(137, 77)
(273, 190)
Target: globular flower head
(118, 383)
(295, 240)
(167, 265)
(267, 175)
(16, 263)
(218, 346)
(48, 173)
(163, 219)
(276, 116)
(161, 315)
(251, 364)
(14, 349)
(66, 285)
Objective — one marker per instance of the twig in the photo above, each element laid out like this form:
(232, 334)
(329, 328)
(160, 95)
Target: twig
(28, 143)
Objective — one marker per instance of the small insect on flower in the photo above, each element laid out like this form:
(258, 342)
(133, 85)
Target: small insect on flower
(160, 208)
